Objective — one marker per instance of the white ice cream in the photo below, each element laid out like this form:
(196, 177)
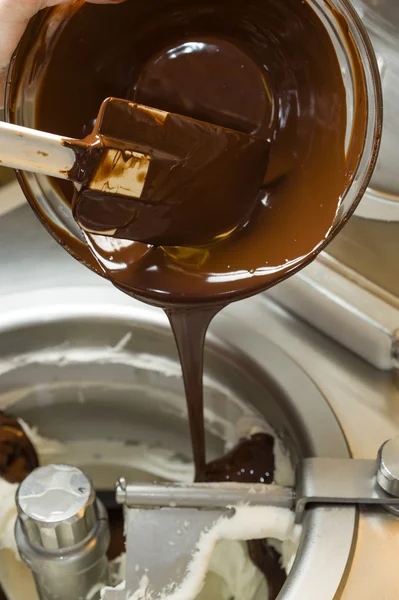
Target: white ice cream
(15, 578)
(210, 557)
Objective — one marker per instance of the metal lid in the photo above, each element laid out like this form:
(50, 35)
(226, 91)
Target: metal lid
(56, 506)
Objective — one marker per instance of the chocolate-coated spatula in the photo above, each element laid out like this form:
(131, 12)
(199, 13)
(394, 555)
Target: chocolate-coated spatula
(148, 175)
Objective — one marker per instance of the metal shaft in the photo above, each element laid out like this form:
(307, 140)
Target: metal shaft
(62, 534)
(205, 496)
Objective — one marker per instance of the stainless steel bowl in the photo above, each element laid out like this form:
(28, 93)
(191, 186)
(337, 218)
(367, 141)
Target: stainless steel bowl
(87, 363)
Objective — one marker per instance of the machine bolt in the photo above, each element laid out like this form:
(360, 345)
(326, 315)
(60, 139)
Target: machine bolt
(388, 467)
(56, 506)
(120, 491)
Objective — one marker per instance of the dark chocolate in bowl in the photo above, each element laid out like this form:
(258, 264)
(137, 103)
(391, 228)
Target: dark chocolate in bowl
(264, 67)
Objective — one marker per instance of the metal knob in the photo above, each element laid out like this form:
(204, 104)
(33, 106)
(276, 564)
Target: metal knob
(388, 467)
(62, 533)
(57, 507)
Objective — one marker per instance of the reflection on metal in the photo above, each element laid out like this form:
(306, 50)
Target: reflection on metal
(381, 18)
(166, 523)
(62, 533)
(341, 481)
(205, 496)
(347, 308)
(53, 307)
(72, 335)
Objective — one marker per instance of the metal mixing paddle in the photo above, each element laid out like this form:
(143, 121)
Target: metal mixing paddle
(165, 524)
(147, 175)
(62, 534)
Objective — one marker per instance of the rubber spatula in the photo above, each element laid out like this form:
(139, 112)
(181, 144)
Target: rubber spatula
(148, 175)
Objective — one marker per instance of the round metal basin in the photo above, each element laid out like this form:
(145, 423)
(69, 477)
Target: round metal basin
(89, 364)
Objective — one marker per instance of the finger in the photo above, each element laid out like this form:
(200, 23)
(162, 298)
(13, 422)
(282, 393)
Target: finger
(13, 11)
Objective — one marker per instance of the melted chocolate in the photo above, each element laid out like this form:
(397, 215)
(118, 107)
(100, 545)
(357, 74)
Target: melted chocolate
(189, 328)
(116, 523)
(261, 67)
(18, 457)
(264, 68)
(268, 560)
(252, 461)
(117, 531)
(163, 179)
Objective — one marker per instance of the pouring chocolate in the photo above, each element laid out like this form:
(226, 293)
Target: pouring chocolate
(264, 68)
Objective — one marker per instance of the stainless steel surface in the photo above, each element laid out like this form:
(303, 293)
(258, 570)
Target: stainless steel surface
(165, 523)
(48, 286)
(56, 507)
(346, 307)
(370, 248)
(158, 515)
(388, 467)
(340, 481)
(62, 534)
(175, 536)
(71, 340)
(381, 18)
(204, 496)
(81, 330)
(318, 481)
(369, 244)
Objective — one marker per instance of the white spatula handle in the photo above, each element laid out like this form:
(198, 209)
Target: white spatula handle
(31, 150)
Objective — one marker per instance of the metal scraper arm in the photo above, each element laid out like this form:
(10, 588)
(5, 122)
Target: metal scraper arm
(211, 496)
(158, 515)
(319, 481)
(340, 481)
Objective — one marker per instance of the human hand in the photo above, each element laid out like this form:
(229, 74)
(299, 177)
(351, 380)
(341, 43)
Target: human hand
(14, 17)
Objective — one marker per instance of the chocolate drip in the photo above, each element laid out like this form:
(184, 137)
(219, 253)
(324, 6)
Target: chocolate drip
(268, 560)
(189, 328)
